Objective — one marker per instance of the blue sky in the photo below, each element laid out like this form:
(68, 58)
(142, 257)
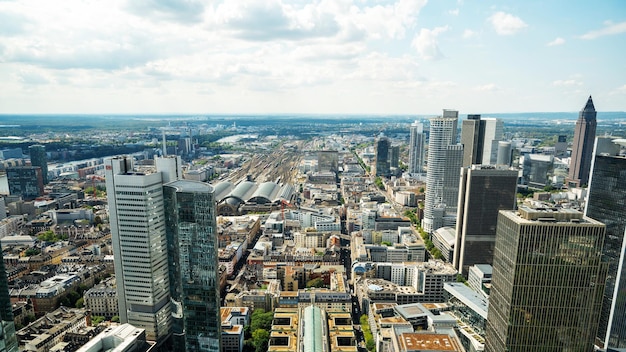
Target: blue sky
(328, 56)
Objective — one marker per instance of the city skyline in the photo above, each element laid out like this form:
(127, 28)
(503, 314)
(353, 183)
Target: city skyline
(272, 57)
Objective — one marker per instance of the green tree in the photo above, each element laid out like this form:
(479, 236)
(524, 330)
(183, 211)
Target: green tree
(317, 282)
(260, 338)
(80, 303)
(115, 319)
(31, 251)
(96, 319)
(261, 319)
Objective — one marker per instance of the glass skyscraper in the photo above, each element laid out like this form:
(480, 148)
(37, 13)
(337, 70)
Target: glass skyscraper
(39, 158)
(194, 282)
(8, 340)
(606, 202)
(548, 280)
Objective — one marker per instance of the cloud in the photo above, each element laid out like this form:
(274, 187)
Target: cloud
(567, 83)
(506, 24)
(454, 12)
(557, 41)
(468, 33)
(13, 24)
(490, 87)
(184, 11)
(426, 43)
(609, 29)
(619, 90)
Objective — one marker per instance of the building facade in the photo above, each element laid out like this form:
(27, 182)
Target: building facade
(8, 340)
(582, 147)
(606, 202)
(443, 133)
(417, 145)
(192, 246)
(484, 190)
(548, 280)
(137, 222)
(25, 181)
(382, 157)
(39, 158)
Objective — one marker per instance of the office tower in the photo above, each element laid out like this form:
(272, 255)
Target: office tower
(560, 148)
(194, 280)
(504, 153)
(137, 221)
(548, 280)
(443, 132)
(170, 166)
(454, 160)
(38, 158)
(417, 144)
(327, 161)
(582, 147)
(382, 156)
(394, 156)
(25, 181)
(480, 139)
(483, 192)
(606, 202)
(8, 340)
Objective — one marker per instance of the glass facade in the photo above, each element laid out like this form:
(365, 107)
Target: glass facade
(607, 203)
(8, 340)
(192, 241)
(548, 281)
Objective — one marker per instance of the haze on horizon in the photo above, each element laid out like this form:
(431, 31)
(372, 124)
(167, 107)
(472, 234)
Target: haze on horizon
(320, 57)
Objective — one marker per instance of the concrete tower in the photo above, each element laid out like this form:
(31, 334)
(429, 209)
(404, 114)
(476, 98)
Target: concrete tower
(417, 144)
(194, 274)
(606, 202)
(582, 147)
(137, 221)
(548, 279)
(443, 133)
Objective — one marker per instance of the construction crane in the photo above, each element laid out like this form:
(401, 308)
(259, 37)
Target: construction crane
(93, 179)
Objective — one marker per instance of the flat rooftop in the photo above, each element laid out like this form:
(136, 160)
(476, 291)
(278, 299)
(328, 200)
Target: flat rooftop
(427, 342)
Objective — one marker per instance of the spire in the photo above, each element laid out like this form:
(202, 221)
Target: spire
(589, 106)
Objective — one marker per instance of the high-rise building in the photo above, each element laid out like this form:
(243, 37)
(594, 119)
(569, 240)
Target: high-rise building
(480, 137)
(606, 202)
(194, 280)
(548, 280)
(443, 133)
(504, 153)
(582, 147)
(483, 192)
(382, 157)
(25, 181)
(139, 241)
(8, 340)
(39, 158)
(417, 145)
(454, 160)
(394, 156)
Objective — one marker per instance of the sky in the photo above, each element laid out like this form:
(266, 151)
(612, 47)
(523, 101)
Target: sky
(318, 57)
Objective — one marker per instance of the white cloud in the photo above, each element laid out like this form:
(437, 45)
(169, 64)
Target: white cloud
(426, 43)
(619, 90)
(506, 24)
(609, 29)
(557, 41)
(567, 83)
(454, 12)
(468, 33)
(489, 87)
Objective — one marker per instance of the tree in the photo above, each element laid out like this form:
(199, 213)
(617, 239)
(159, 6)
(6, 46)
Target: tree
(261, 320)
(80, 303)
(317, 282)
(96, 319)
(97, 220)
(31, 251)
(260, 338)
(115, 319)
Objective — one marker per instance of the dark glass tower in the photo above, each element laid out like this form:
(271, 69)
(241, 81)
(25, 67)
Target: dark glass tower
(38, 158)
(194, 280)
(484, 191)
(382, 156)
(8, 340)
(582, 147)
(607, 203)
(548, 280)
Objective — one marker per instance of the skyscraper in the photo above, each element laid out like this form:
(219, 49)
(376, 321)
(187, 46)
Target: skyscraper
(8, 340)
(582, 147)
(382, 157)
(443, 132)
(483, 191)
(25, 181)
(137, 221)
(192, 243)
(480, 137)
(606, 202)
(417, 144)
(39, 158)
(394, 156)
(548, 280)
